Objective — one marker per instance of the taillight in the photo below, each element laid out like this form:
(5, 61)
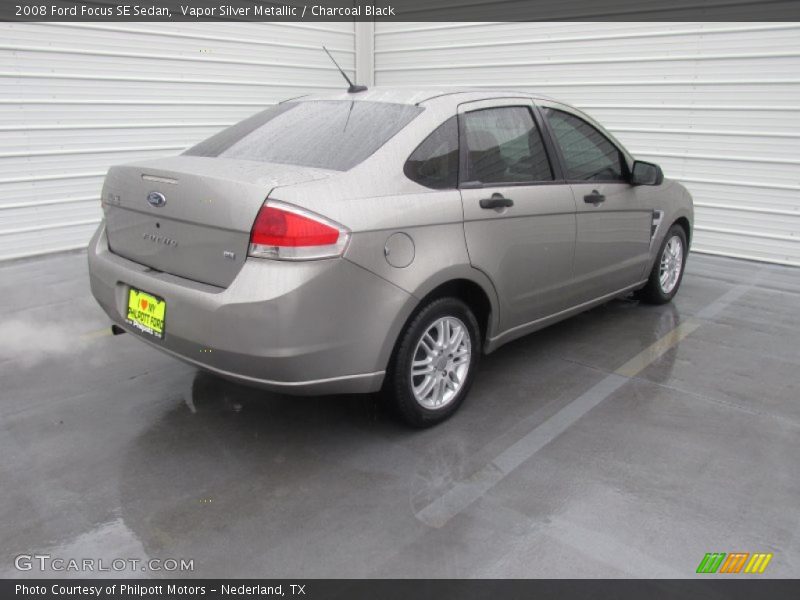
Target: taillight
(285, 232)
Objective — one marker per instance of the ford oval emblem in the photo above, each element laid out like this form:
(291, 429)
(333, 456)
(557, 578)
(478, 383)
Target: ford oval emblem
(156, 199)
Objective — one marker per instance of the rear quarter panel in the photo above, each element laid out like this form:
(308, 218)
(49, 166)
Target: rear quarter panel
(376, 200)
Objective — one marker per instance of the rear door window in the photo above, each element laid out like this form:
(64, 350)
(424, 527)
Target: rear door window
(434, 163)
(328, 134)
(504, 145)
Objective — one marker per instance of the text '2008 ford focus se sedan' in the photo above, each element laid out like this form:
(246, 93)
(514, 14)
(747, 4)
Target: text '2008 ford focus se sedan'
(382, 240)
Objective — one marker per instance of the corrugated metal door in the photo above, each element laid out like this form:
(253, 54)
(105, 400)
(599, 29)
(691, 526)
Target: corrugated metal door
(77, 98)
(716, 104)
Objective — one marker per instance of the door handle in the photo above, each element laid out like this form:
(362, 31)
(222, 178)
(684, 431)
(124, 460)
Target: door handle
(594, 198)
(496, 201)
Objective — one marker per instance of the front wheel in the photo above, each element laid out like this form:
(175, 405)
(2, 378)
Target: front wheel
(667, 273)
(434, 363)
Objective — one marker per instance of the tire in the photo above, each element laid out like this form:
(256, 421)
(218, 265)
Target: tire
(437, 388)
(660, 291)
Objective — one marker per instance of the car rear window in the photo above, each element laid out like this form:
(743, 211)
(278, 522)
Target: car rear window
(329, 134)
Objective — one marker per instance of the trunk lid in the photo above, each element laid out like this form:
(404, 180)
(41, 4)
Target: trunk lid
(198, 223)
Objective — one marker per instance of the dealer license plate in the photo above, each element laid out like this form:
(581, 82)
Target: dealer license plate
(146, 313)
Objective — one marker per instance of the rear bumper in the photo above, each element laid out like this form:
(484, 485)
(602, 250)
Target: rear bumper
(315, 327)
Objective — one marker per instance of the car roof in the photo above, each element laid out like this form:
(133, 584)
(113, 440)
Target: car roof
(400, 95)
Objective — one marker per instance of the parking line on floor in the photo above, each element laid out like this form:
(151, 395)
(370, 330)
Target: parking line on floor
(658, 348)
(96, 334)
(463, 493)
(654, 351)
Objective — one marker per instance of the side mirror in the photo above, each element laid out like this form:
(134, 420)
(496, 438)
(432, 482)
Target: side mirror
(645, 173)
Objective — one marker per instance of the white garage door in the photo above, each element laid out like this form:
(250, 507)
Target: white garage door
(716, 104)
(76, 98)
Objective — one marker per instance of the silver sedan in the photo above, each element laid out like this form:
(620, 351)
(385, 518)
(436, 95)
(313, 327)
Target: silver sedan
(383, 240)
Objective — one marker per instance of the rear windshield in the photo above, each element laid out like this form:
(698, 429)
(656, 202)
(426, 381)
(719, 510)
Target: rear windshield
(329, 134)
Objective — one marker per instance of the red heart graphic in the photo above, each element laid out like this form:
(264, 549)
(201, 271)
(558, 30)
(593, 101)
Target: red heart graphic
(143, 302)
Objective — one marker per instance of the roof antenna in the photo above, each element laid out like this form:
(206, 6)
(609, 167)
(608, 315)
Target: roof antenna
(353, 89)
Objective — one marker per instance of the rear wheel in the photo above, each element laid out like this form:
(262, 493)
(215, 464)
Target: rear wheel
(667, 273)
(434, 363)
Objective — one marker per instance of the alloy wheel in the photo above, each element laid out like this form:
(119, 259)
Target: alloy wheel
(671, 264)
(441, 363)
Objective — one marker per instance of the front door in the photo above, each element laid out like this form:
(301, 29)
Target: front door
(519, 220)
(613, 224)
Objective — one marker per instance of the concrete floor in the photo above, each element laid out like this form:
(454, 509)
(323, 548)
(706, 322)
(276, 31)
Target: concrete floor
(571, 458)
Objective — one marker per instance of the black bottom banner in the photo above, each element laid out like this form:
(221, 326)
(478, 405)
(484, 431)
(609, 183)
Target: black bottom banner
(410, 589)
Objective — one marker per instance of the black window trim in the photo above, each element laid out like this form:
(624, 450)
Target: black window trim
(555, 167)
(562, 161)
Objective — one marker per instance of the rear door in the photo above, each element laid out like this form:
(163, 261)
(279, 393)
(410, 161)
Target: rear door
(519, 217)
(613, 224)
